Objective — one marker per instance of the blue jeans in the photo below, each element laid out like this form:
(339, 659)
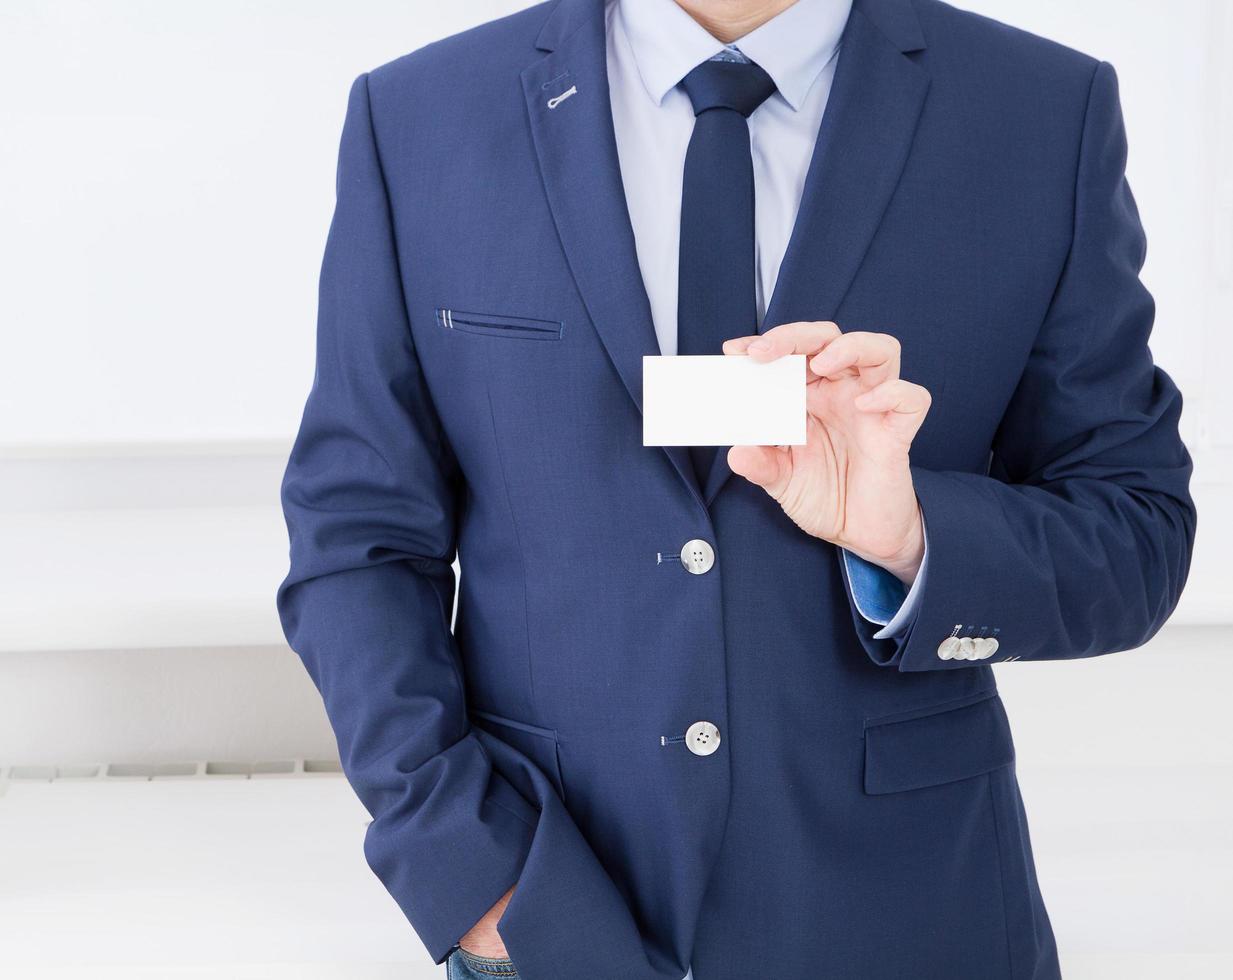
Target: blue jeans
(462, 965)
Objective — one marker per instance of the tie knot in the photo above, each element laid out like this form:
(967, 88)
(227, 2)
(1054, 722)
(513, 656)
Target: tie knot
(738, 85)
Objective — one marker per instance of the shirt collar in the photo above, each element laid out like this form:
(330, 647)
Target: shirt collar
(792, 47)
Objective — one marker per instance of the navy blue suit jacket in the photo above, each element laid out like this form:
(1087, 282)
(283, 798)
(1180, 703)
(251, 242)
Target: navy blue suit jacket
(482, 323)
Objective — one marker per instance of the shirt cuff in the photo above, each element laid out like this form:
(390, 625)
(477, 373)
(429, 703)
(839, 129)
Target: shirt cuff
(883, 599)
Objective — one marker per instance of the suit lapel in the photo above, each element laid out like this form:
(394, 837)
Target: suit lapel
(861, 149)
(576, 147)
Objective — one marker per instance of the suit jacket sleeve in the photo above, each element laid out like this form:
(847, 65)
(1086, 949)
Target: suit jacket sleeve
(1078, 540)
(369, 497)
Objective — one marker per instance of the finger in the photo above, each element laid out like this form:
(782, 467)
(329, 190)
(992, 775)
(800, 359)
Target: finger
(788, 338)
(895, 395)
(767, 466)
(874, 357)
(739, 345)
(903, 403)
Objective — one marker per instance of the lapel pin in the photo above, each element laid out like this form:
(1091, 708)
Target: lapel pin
(556, 100)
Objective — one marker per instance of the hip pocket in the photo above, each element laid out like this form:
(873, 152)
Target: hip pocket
(537, 744)
(937, 744)
(462, 965)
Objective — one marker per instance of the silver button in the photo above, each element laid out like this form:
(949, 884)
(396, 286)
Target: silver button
(697, 556)
(948, 648)
(702, 738)
(991, 647)
(967, 648)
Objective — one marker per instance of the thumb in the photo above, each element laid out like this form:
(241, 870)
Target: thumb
(768, 466)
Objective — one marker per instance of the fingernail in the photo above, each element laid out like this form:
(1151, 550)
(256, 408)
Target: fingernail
(761, 344)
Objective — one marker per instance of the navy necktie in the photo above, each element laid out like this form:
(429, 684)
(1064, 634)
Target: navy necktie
(717, 298)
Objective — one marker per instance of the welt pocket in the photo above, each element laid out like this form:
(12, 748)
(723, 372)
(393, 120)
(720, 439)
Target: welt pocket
(937, 744)
(521, 726)
(500, 325)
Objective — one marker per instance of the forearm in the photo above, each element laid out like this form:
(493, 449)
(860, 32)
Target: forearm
(1050, 572)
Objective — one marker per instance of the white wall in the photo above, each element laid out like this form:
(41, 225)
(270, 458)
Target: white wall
(165, 192)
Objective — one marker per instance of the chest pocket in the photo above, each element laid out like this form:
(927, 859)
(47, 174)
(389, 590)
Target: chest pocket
(500, 325)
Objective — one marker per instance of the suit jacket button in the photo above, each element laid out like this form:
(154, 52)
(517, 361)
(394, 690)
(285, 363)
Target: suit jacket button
(948, 648)
(702, 738)
(697, 556)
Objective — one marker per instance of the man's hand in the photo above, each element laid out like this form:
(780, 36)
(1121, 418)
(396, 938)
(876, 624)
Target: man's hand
(850, 483)
(482, 938)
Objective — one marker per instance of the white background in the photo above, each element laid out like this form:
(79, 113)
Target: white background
(166, 181)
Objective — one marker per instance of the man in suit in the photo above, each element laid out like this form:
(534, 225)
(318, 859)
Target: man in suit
(728, 713)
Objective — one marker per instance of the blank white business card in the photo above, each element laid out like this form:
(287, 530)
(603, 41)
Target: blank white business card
(715, 400)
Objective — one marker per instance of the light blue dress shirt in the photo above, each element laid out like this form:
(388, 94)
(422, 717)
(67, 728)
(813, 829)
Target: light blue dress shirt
(651, 46)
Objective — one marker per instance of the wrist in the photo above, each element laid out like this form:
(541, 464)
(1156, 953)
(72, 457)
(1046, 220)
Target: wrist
(905, 559)
(482, 939)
